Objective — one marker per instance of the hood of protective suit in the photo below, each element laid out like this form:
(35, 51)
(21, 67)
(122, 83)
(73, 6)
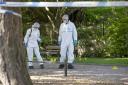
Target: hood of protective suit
(65, 18)
(36, 25)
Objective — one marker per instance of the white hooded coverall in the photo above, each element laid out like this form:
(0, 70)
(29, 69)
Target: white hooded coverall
(67, 34)
(31, 38)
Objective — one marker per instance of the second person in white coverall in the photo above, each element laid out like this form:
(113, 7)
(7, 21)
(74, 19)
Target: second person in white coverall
(31, 40)
(67, 40)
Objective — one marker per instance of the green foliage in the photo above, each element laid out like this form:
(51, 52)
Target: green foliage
(102, 32)
(119, 38)
(105, 33)
(90, 40)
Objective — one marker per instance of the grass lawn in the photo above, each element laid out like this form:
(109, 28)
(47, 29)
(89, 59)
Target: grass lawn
(102, 61)
(95, 61)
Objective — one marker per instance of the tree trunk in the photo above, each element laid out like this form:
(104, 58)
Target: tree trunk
(13, 70)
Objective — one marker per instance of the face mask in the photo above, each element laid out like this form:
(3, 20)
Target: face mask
(65, 21)
(35, 28)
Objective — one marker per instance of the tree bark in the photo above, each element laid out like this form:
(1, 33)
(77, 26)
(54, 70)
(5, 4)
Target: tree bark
(13, 69)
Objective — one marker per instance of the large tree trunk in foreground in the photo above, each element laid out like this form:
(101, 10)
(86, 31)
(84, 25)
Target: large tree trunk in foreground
(13, 69)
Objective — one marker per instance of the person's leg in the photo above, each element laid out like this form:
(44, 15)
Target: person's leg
(39, 58)
(30, 56)
(70, 56)
(63, 50)
(63, 53)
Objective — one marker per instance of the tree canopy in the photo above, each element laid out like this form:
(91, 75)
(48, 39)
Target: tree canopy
(102, 31)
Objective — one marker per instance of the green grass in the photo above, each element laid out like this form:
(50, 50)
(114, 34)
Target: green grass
(102, 61)
(94, 61)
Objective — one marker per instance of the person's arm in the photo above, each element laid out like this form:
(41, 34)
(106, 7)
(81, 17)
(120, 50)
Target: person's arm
(27, 36)
(60, 33)
(38, 36)
(74, 35)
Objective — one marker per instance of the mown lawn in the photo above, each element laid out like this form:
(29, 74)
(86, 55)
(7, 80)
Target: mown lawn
(102, 61)
(96, 61)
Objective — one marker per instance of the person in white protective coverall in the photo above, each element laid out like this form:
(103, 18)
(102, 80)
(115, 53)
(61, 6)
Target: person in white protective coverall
(67, 40)
(31, 40)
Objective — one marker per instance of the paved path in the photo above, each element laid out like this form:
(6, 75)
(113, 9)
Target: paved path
(81, 75)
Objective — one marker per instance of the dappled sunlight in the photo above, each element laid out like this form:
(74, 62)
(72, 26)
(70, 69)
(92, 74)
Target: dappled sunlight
(102, 38)
(63, 80)
(46, 77)
(79, 76)
(125, 80)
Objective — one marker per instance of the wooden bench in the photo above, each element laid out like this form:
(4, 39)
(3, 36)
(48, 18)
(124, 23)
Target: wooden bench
(52, 50)
(55, 50)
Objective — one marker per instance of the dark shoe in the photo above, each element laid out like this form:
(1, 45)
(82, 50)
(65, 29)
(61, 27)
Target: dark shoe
(31, 67)
(70, 66)
(41, 66)
(61, 66)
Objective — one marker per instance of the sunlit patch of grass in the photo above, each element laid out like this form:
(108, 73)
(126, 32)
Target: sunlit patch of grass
(52, 59)
(102, 61)
(98, 61)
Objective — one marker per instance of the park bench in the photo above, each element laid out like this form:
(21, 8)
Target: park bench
(55, 50)
(52, 50)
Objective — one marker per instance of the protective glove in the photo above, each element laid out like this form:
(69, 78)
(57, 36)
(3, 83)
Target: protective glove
(39, 41)
(59, 43)
(25, 44)
(75, 42)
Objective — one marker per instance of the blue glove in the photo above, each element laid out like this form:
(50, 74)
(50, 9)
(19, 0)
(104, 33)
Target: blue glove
(25, 44)
(59, 43)
(39, 41)
(75, 42)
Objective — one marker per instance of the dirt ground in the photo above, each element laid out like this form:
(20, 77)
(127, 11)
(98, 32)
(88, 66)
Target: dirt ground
(81, 75)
